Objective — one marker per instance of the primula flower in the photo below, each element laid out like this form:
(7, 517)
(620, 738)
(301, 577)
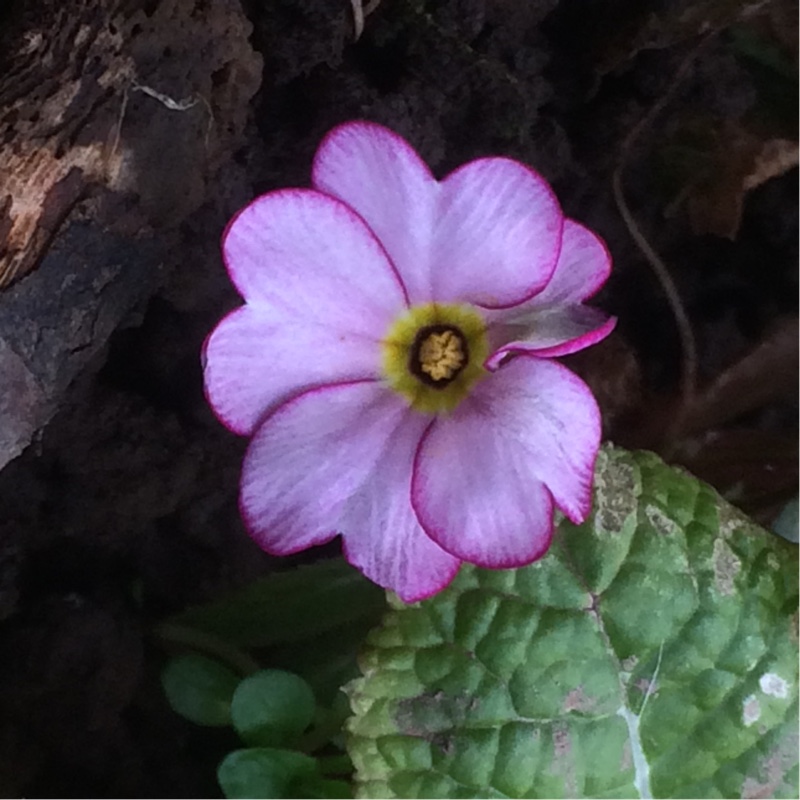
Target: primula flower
(392, 362)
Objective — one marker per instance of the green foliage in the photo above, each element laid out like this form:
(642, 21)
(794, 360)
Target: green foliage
(653, 652)
(313, 619)
(264, 772)
(292, 606)
(272, 708)
(199, 689)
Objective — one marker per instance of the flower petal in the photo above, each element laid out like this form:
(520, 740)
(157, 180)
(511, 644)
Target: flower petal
(537, 429)
(488, 234)
(498, 234)
(255, 359)
(382, 536)
(321, 294)
(553, 322)
(490, 511)
(312, 255)
(338, 459)
(377, 173)
(584, 265)
(552, 332)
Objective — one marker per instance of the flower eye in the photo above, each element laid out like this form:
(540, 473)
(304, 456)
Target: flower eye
(433, 355)
(438, 354)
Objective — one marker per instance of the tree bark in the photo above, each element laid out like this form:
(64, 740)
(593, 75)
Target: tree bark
(116, 120)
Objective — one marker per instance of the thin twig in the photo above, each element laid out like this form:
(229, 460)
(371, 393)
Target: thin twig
(360, 13)
(184, 104)
(684, 325)
(118, 127)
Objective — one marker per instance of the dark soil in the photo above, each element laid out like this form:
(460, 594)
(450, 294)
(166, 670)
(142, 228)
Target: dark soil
(124, 509)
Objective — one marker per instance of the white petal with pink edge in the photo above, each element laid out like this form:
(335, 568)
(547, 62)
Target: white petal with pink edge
(485, 477)
(382, 536)
(377, 173)
(584, 265)
(255, 358)
(488, 234)
(476, 496)
(551, 332)
(313, 256)
(337, 459)
(498, 234)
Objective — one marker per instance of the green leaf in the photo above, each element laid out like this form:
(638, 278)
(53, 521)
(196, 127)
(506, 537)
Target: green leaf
(329, 661)
(272, 707)
(199, 688)
(322, 787)
(313, 619)
(291, 606)
(264, 772)
(652, 652)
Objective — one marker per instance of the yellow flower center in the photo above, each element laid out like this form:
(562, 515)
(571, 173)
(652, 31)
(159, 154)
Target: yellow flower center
(441, 355)
(434, 354)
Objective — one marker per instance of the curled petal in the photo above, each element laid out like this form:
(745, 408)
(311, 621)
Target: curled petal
(377, 173)
(338, 459)
(552, 332)
(536, 427)
(498, 234)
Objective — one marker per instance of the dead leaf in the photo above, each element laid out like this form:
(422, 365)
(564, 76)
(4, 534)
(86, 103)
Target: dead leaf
(777, 156)
(714, 163)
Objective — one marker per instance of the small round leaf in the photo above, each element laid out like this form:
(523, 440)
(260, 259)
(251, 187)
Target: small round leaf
(199, 689)
(272, 707)
(263, 772)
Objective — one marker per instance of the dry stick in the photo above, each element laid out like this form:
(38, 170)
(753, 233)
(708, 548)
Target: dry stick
(689, 366)
(360, 13)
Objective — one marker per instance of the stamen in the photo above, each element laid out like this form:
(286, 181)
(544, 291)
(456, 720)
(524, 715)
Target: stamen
(438, 355)
(441, 355)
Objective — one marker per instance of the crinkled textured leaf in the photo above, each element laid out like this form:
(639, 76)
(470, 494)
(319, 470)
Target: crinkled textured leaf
(652, 652)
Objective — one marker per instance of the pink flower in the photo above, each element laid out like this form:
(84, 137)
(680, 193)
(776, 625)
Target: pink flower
(392, 362)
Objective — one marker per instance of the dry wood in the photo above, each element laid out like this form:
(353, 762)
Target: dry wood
(116, 118)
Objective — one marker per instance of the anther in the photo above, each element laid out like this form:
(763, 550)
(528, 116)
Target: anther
(439, 353)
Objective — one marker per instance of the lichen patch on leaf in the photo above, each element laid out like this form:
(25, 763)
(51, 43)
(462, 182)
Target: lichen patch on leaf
(770, 778)
(577, 700)
(751, 710)
(726, 567)
(564, 759)
(431, 713)
(615, 494)
(661, 521)
(774, 685)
